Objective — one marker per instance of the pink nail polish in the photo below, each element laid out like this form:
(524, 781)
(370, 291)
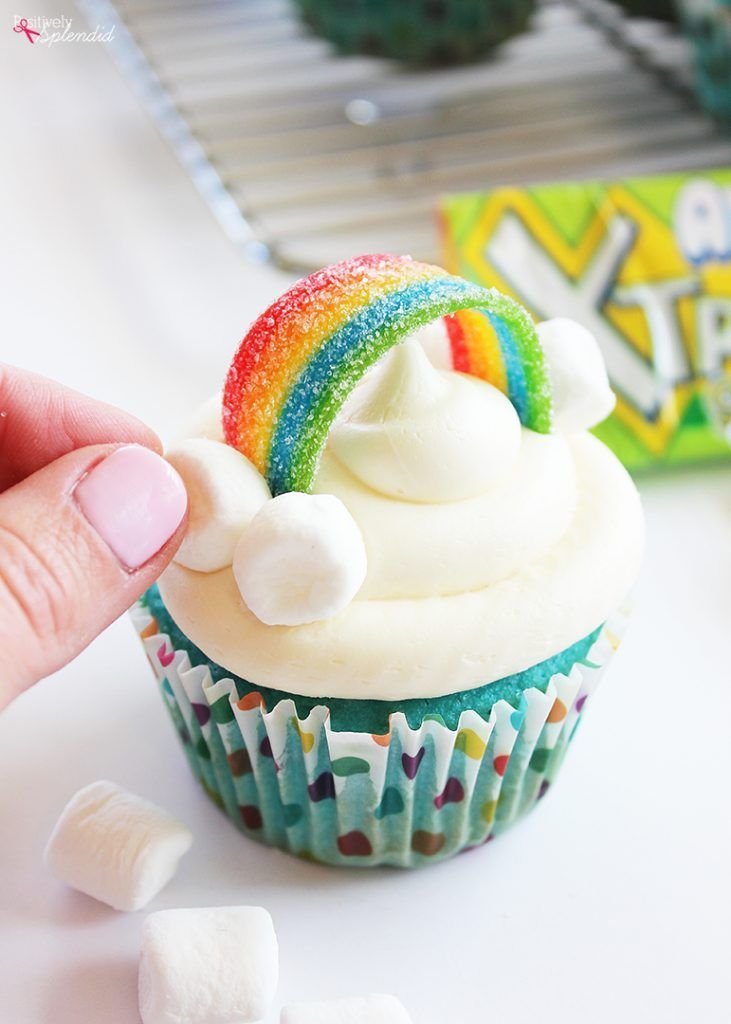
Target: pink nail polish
(135, 501)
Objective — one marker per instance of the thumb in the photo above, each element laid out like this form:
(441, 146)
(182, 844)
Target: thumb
(79, 541)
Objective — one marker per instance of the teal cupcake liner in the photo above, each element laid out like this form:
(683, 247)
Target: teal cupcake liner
(409, 797)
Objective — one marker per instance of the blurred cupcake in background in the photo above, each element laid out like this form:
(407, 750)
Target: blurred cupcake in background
(707, 24)
(425, 32)
(661, 10)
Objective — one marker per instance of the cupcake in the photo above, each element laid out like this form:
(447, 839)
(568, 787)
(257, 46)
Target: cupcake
(707, 25)
(405, 566)
(660, 10)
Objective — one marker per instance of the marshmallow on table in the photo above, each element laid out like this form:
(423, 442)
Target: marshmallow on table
(211, 965)
(115, 846)
(302, 559)
(360, 1010)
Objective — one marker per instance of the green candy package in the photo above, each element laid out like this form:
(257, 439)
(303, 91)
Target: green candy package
(645, 265)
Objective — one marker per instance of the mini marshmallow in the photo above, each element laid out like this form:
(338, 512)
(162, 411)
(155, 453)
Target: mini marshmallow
(224, 493)
(582, 396)
(361, 1010)
(302, 559)
(211, 965)
(115, 846)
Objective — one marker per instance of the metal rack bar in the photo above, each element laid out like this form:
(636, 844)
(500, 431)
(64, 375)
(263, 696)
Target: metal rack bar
(308, 157)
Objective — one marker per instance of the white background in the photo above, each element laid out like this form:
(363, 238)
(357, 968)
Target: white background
(610, 903)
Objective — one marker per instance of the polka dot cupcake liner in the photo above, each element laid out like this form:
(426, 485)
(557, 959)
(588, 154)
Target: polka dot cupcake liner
(407, 798)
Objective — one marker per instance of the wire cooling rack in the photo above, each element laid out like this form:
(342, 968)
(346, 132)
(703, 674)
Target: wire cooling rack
(307, 157)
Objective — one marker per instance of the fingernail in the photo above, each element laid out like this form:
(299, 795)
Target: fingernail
(135, 501)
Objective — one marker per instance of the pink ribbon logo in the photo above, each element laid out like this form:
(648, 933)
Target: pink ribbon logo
(22, 26)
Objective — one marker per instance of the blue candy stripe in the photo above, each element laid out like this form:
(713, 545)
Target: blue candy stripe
(514, 372)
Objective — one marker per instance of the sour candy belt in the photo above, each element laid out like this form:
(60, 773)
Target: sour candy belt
(304, 355)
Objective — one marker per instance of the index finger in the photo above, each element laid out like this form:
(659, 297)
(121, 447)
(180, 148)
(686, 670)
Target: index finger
(41, 420)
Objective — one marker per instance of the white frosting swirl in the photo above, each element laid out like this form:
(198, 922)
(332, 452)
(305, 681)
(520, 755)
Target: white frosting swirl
(424, 647)
(413, 433)
(466, 582)
(421, 550)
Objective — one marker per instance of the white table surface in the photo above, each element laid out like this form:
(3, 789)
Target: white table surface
(610, 903)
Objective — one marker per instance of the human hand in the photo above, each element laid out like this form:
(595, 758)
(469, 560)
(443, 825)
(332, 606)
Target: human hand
(90, 515)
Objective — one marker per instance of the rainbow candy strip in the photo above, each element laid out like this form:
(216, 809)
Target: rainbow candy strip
(305, 354)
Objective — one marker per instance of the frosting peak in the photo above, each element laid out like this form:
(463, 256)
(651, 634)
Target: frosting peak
(418, 434)
(404, 386)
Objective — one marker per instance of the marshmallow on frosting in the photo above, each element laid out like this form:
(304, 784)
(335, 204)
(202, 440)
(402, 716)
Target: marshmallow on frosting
(582, 396)
(301, 560)
(224, 494)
